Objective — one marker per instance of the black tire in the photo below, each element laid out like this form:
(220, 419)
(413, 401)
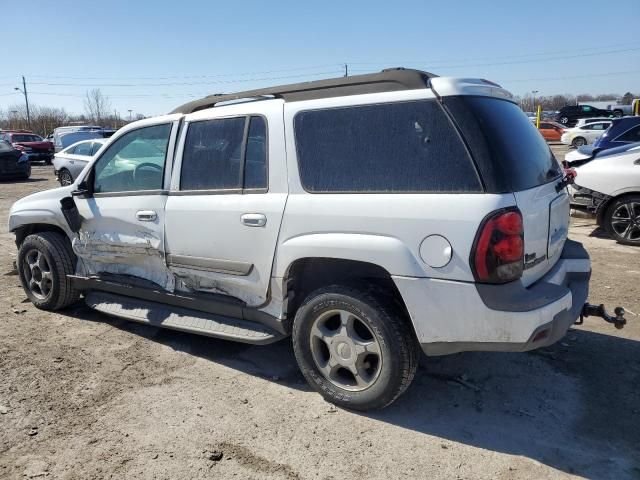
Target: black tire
(400, 352)
(564, 120)
(60, 259)
(578, 142)
(64, 177)
(618, 113)
(27, 175)
(615, 220)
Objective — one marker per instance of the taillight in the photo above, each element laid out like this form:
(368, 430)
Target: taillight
(498, 250)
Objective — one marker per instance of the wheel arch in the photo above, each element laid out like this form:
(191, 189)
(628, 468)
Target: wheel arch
(604, 206)
(23, 231)
(308, 274)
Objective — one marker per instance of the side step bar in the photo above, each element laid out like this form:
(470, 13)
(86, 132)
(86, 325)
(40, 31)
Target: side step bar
(184, 319)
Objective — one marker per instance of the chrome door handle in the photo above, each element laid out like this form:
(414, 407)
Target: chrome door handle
(254, 219)
(146, 215)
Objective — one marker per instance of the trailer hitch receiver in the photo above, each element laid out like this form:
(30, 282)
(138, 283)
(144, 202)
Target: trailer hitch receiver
(589, 310)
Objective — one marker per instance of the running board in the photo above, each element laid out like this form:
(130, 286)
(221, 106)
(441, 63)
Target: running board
(183, 319)
(218, 305)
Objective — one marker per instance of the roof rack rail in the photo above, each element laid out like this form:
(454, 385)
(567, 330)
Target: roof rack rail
(388, 80)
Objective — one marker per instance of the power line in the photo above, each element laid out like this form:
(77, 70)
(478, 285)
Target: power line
(212, 82)
(628, 72)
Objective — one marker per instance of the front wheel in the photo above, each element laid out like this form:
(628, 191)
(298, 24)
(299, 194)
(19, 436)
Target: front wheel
(622, 220)
(45, 261)
(356, 349)
(64, 177)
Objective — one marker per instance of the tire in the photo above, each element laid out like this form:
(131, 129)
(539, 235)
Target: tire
(45, 260)
(617, 113)
(27, 175)
(375, 324)
(64, 177)
(564, 120)
(622, 220)
(578, 142)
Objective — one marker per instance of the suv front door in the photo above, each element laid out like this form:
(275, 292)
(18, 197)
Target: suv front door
(122, 230)
(227, 198)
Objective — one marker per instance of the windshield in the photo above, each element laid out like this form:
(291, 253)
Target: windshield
(510, 153)
(26, 138)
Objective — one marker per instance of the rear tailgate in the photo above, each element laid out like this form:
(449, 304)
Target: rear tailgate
(545, 214)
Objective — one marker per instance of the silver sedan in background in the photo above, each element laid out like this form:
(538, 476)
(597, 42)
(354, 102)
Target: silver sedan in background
(68, 163)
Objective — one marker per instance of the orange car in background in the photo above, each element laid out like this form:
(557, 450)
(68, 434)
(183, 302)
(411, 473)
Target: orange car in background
(551, 131)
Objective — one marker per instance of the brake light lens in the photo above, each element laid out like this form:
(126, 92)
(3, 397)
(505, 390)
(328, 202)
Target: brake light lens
(498, 250)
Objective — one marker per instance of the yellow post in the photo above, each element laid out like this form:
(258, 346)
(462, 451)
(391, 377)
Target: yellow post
(636, 106)
(538, 114)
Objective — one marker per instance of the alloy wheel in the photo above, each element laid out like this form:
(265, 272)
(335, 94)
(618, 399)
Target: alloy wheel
(345, 350)
(65, 178)
(625, 221)
(37, 273)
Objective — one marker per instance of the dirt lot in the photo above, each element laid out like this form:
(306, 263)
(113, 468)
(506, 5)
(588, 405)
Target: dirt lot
(85, 396)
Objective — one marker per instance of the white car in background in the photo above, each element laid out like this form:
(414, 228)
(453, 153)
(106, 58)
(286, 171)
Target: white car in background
(585, 121)
(608, 185)
(585, 135)
(68, 163)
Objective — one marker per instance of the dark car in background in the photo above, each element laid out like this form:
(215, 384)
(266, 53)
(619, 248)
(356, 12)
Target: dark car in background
(569, 115)
(36, 148)
(622, 131)
(13, 162)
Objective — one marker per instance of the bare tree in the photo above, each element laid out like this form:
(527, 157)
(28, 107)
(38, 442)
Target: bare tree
(96, 106)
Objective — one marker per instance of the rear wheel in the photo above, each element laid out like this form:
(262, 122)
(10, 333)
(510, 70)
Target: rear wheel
(578, 142)
(356, 350)
(617, 113)
(45, 261)
(622, 220)
(64, 177)
(564, 120)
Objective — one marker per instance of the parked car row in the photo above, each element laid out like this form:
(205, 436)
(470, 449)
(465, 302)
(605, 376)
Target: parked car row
(34, 146)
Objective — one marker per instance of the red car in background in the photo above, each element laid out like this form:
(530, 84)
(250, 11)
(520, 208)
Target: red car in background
(551, 131)
(34, 146)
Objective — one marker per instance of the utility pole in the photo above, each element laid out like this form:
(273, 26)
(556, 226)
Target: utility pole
(26, 98)
(346, 70)
(534, 99)
(130, 114)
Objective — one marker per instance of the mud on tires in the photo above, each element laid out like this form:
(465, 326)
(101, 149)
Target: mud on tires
(45, 260)
(357, 349)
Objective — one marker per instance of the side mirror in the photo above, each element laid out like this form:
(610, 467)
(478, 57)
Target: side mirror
(83, 190)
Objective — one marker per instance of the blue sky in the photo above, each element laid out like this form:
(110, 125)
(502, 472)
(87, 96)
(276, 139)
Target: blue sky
(150, 56)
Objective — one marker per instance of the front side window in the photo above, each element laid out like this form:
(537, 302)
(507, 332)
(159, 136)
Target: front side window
(83, 149)
(95, 147)
(26, 138)
(134, 162)
(212, 156)
(394, 147)
(632, 135)
(586, 109)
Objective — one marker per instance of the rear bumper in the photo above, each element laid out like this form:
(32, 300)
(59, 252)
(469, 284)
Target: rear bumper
(452, 317)
(40, 156)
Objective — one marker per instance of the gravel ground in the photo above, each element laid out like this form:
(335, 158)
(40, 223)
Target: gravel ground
(86, 396)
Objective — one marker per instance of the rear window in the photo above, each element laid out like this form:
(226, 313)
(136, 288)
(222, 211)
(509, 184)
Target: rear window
(510, 153)
(394, 147)
(26, 138)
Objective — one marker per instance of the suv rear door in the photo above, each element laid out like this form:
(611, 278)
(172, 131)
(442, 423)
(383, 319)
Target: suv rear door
(227, 199)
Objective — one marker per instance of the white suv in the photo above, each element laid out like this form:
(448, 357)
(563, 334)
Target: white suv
(368, 217)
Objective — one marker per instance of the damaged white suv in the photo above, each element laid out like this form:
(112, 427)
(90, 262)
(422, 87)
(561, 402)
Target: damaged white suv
(368, 217)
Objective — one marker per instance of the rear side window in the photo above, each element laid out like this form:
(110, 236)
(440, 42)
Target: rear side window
(510, 153)
(395, 147)
(212, 158)
(83, 149)
(632, 135)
